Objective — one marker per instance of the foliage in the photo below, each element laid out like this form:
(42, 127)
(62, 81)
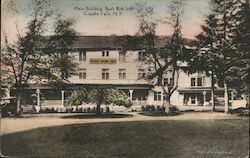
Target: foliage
(29, 59)
(98, 96)
(221, 50)
(163, 61)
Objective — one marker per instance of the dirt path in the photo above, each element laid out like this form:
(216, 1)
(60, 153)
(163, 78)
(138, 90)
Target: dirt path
(11, 125)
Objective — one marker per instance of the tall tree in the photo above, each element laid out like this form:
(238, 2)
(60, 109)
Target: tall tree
(163, 61)
(225, 12)
(25, 57)
(218, 49)
(239, 72)
(205, 57)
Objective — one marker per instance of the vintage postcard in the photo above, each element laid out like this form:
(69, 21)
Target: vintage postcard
(125, 78)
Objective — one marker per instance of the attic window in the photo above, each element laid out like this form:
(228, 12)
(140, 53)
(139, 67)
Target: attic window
(82, 55)
(105, 53)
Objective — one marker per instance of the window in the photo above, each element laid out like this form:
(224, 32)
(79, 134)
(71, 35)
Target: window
(165, 81)
(168, 81)
(199, 81)
(105, 53)
(122, 74)
(141, 73)
(196, 82)
(193, 81)
(122, 56)
(164, 96)
(105, 74)
(82, 74)
(141, 56)
(157, 96)
(82, 56)
(193, 100)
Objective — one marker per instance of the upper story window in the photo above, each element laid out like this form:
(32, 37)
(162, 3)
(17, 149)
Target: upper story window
(141, 56)
(157, 96)
(105, 53)
(141, 73)
(82, 74)
(196, 82)
(105, 74)
(122, 56)
(122, 74)
(82, 55)
(168, 81)
(199, 81)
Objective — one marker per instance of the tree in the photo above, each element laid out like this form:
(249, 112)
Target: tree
(218, 50)
(98, 96)
(205, 57)
(26, 57)
(240, 71)
(162, 61)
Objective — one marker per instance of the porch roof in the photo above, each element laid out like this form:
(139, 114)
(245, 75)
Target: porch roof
(197, 89)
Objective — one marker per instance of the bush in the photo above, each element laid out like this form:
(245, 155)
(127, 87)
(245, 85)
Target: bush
(174, 110)
(240, 111)
(107, 109)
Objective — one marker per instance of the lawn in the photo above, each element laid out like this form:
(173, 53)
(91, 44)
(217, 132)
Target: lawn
(152, 139)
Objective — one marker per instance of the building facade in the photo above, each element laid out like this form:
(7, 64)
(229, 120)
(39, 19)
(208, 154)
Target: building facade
(102, 63)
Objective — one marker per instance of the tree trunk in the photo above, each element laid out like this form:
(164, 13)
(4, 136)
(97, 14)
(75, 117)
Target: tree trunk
(18, 103)
(98, 109)
(166, 104)
(225, 96)
(212, 92)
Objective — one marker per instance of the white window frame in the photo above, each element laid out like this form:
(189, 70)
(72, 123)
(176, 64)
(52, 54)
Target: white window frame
(141, 55)
(105, 74)
(122, 56)
(82, 74)
(105, 53)
(141, 73)
(82, 55)
(122, 74)
(157, 96)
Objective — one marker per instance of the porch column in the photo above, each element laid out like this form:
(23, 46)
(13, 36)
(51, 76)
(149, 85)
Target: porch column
(232, 96)
(7, 92)
(62, 91)
(38, 96)
(204, 97)
(131, 94)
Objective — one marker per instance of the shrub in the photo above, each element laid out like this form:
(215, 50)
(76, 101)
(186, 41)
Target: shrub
(107, 109)
(174, 110)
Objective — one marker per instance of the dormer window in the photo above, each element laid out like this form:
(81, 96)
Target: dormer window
(122, 56)
(141, 55)
(105, 53)
(82, 55)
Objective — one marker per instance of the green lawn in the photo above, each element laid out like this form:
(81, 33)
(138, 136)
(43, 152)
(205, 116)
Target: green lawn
(153, 139)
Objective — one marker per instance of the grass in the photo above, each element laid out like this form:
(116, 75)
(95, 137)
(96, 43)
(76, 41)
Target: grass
(159, 139)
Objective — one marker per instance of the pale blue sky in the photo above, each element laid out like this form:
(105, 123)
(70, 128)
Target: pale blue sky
(195, 10)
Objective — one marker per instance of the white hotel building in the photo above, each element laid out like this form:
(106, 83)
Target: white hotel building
(101, 62)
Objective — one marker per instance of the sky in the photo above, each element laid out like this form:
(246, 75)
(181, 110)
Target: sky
(106, 17)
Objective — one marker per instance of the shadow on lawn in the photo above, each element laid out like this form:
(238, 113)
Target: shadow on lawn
(158, 113)
(93, 116)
